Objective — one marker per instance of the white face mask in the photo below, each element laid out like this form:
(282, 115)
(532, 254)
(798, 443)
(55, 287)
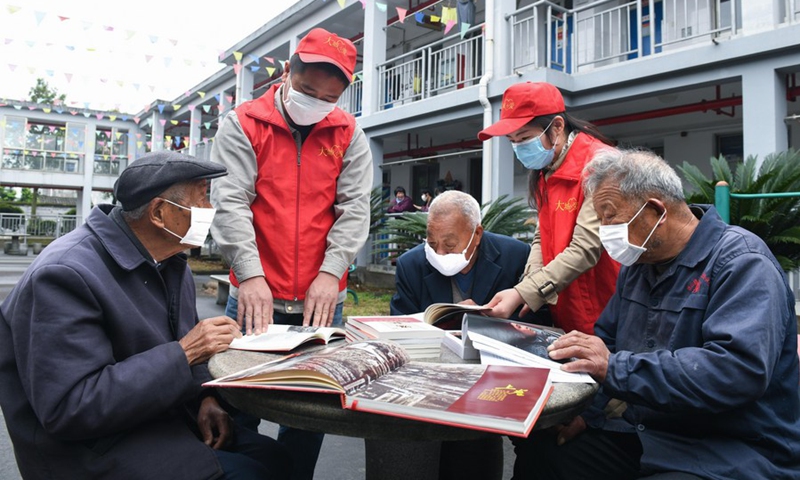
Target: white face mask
(615, 240)
(304, 109)
(199, 226)
(451, 263)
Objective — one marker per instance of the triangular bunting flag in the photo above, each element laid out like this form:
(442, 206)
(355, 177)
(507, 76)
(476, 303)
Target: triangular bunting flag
(206, 108)
(237, 67)
(176, 106)
(68, 77)
(162, 121)
(254, 58)
(269, 59)
(63, 19)
(341, 3)
(464, 28)
(174, 42)
(401, 13)
(160, 108)
(363, 4)
(99, 116)
(39, 17)
(254, 68)
(167, 61)
(237, 56)
(435, 19)
(136, 120)
(174, 122)
(201, 94)
(147, 58)
(191, 108)
(229, 98)
(12, 9)
(419, 17)
(112, 118)
(153, 39)
(207, 125)
(448, 26)
(270, 71)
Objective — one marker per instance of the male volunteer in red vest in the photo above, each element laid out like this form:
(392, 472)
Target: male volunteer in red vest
(293, 211)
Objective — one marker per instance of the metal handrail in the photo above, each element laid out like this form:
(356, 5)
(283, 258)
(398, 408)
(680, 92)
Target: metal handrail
(722, 196)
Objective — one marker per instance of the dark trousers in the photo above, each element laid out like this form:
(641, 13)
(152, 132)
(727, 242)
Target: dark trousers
(472, 459)
(592, 455)
(303, 445)
(254, 456)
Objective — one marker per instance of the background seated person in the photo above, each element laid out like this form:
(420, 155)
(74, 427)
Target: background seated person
(102, 356)
(427, 198)
(459, 262)
(401, 203)
(699, 340)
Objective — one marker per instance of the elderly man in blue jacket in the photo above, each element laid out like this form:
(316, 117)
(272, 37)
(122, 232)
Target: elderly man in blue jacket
(102, 356)
(696, 351)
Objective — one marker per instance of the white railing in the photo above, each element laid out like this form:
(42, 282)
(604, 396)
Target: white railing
(448, 64)
(546, 35)
(794, 283)
(42, 226)
(352, 97)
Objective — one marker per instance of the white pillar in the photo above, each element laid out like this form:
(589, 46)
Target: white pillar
(225, 105)
(364, 257)
(503, 63)
(157, 132)
(503, 168)
(763, 112)
(84, 204)
(244, 84)
(374, 46)
(194, 129)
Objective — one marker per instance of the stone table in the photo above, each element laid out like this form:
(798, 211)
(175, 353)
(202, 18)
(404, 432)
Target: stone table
(390, 442)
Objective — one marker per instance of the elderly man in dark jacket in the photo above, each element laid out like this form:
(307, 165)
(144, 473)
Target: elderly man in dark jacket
(102, 356)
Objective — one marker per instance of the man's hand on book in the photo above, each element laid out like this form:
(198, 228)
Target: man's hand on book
(214, 423)
(590, 351)
(255, 305)
(209, 337)
(320, 302)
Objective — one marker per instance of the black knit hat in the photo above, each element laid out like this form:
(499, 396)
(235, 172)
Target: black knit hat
(152, 174)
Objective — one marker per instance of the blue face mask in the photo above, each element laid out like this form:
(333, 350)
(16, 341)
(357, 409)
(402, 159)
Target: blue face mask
(532, 154)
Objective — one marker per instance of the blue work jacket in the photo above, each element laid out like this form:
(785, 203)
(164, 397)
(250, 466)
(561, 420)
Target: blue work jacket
(704, 352)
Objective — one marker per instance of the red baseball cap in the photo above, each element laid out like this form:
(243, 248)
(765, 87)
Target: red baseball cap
(322, 46)
(522, 103)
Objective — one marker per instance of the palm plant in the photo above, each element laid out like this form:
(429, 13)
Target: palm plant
(506, 216)
(775, 220)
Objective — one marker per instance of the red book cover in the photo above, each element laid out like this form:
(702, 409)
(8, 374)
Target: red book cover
(503, 393)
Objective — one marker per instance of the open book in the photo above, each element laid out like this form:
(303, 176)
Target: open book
(447, 316)
(508, 342)
(283, 338)
(377, 377)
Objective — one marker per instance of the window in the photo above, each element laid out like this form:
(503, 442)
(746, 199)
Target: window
(110, 150)
(37, 145)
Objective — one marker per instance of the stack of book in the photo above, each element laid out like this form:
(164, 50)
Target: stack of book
(418, 338)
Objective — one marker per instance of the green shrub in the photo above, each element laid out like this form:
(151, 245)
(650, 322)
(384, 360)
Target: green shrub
(775, 220)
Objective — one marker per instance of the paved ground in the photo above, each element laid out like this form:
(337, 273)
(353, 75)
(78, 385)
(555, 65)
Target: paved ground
(342, 458)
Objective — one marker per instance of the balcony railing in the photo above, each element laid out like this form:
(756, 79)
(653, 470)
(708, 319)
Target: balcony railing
(40, 226)
(19, 159)
(351, 99)
(603, 32)
(449, 64)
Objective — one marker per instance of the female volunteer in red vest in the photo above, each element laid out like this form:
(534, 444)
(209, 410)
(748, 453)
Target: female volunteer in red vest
(567, 267)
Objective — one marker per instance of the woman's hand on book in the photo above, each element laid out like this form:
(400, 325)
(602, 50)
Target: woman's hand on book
(504, 303)
(208, 338)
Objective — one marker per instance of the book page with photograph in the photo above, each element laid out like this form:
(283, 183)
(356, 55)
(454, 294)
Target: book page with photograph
(496, 399)
(284, 338)
(376, 376)
(342, 368)
(517, 342)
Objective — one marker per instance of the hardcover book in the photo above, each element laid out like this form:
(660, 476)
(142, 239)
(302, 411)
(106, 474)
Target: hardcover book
(378, 377)
(508, 342)
(448, 316)
(284, 338)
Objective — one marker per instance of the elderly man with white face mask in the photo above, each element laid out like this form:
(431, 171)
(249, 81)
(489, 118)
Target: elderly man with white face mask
(458, 262)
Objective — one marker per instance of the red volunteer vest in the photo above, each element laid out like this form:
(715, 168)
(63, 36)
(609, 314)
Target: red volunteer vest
(295, 193)
(581, 302)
